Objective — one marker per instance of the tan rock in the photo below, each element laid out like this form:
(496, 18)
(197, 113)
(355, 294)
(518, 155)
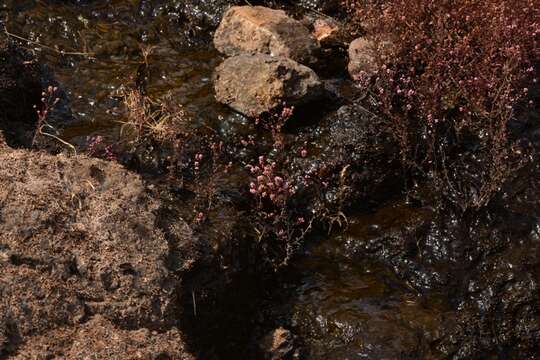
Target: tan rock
(256, 84)
(326, 31)
(257, 29)
(278, 344)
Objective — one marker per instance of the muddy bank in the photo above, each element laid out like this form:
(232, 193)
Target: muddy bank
(79, 246)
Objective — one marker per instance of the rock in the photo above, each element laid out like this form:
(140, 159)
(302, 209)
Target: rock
(362, 58)
(100, 339)
(278, 344)
(350, 145)
(253, 85)
(78, 239)
(326, 31)
(257, 29)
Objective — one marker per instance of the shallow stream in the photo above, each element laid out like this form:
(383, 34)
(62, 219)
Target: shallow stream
(338, 303)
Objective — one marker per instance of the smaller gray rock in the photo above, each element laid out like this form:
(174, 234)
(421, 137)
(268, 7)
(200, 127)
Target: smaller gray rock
(257, 84)
(257, 29)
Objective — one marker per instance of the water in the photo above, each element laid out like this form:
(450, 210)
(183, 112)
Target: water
(109, 44)
(394, 285)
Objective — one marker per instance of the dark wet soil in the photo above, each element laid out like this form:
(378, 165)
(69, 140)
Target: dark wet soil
(402, 281)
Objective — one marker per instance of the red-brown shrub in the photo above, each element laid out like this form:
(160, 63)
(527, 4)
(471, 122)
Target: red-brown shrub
(450, 84)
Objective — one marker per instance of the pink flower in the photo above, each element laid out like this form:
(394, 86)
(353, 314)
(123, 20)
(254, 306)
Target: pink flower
(199, 217)
(278, 180)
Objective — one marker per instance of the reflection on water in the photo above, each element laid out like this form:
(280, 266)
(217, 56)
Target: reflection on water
(355, 308)
(106, 45)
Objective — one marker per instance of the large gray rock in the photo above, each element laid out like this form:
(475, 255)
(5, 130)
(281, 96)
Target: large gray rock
(257, 29)
(253, 85)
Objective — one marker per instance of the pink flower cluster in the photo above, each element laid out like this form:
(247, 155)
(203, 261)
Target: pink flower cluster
(267, 184)
(197, 162)
(96, 147)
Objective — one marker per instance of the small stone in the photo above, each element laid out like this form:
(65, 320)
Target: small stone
(258, 84)
(278, 344)
(257, 29)
(326, 31)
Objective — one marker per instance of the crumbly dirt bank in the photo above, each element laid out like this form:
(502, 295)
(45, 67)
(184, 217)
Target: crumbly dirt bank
(100, 339)
(83, 268)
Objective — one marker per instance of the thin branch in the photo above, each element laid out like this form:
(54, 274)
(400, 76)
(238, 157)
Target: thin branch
(61, 52)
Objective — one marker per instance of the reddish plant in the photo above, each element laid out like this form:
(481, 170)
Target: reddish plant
(49, 100)
(97, 147)
(275, 121)
(268, 185)
(450, 82)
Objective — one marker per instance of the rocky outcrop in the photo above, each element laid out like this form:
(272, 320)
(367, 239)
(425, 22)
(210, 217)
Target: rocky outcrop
(79, 243)
(257, 84)
(257, 29)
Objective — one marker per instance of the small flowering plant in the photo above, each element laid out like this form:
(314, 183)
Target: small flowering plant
(267, 184)
(274, 122)
(49, 100)
(451, 80)
(277, 223)
(98, 147)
